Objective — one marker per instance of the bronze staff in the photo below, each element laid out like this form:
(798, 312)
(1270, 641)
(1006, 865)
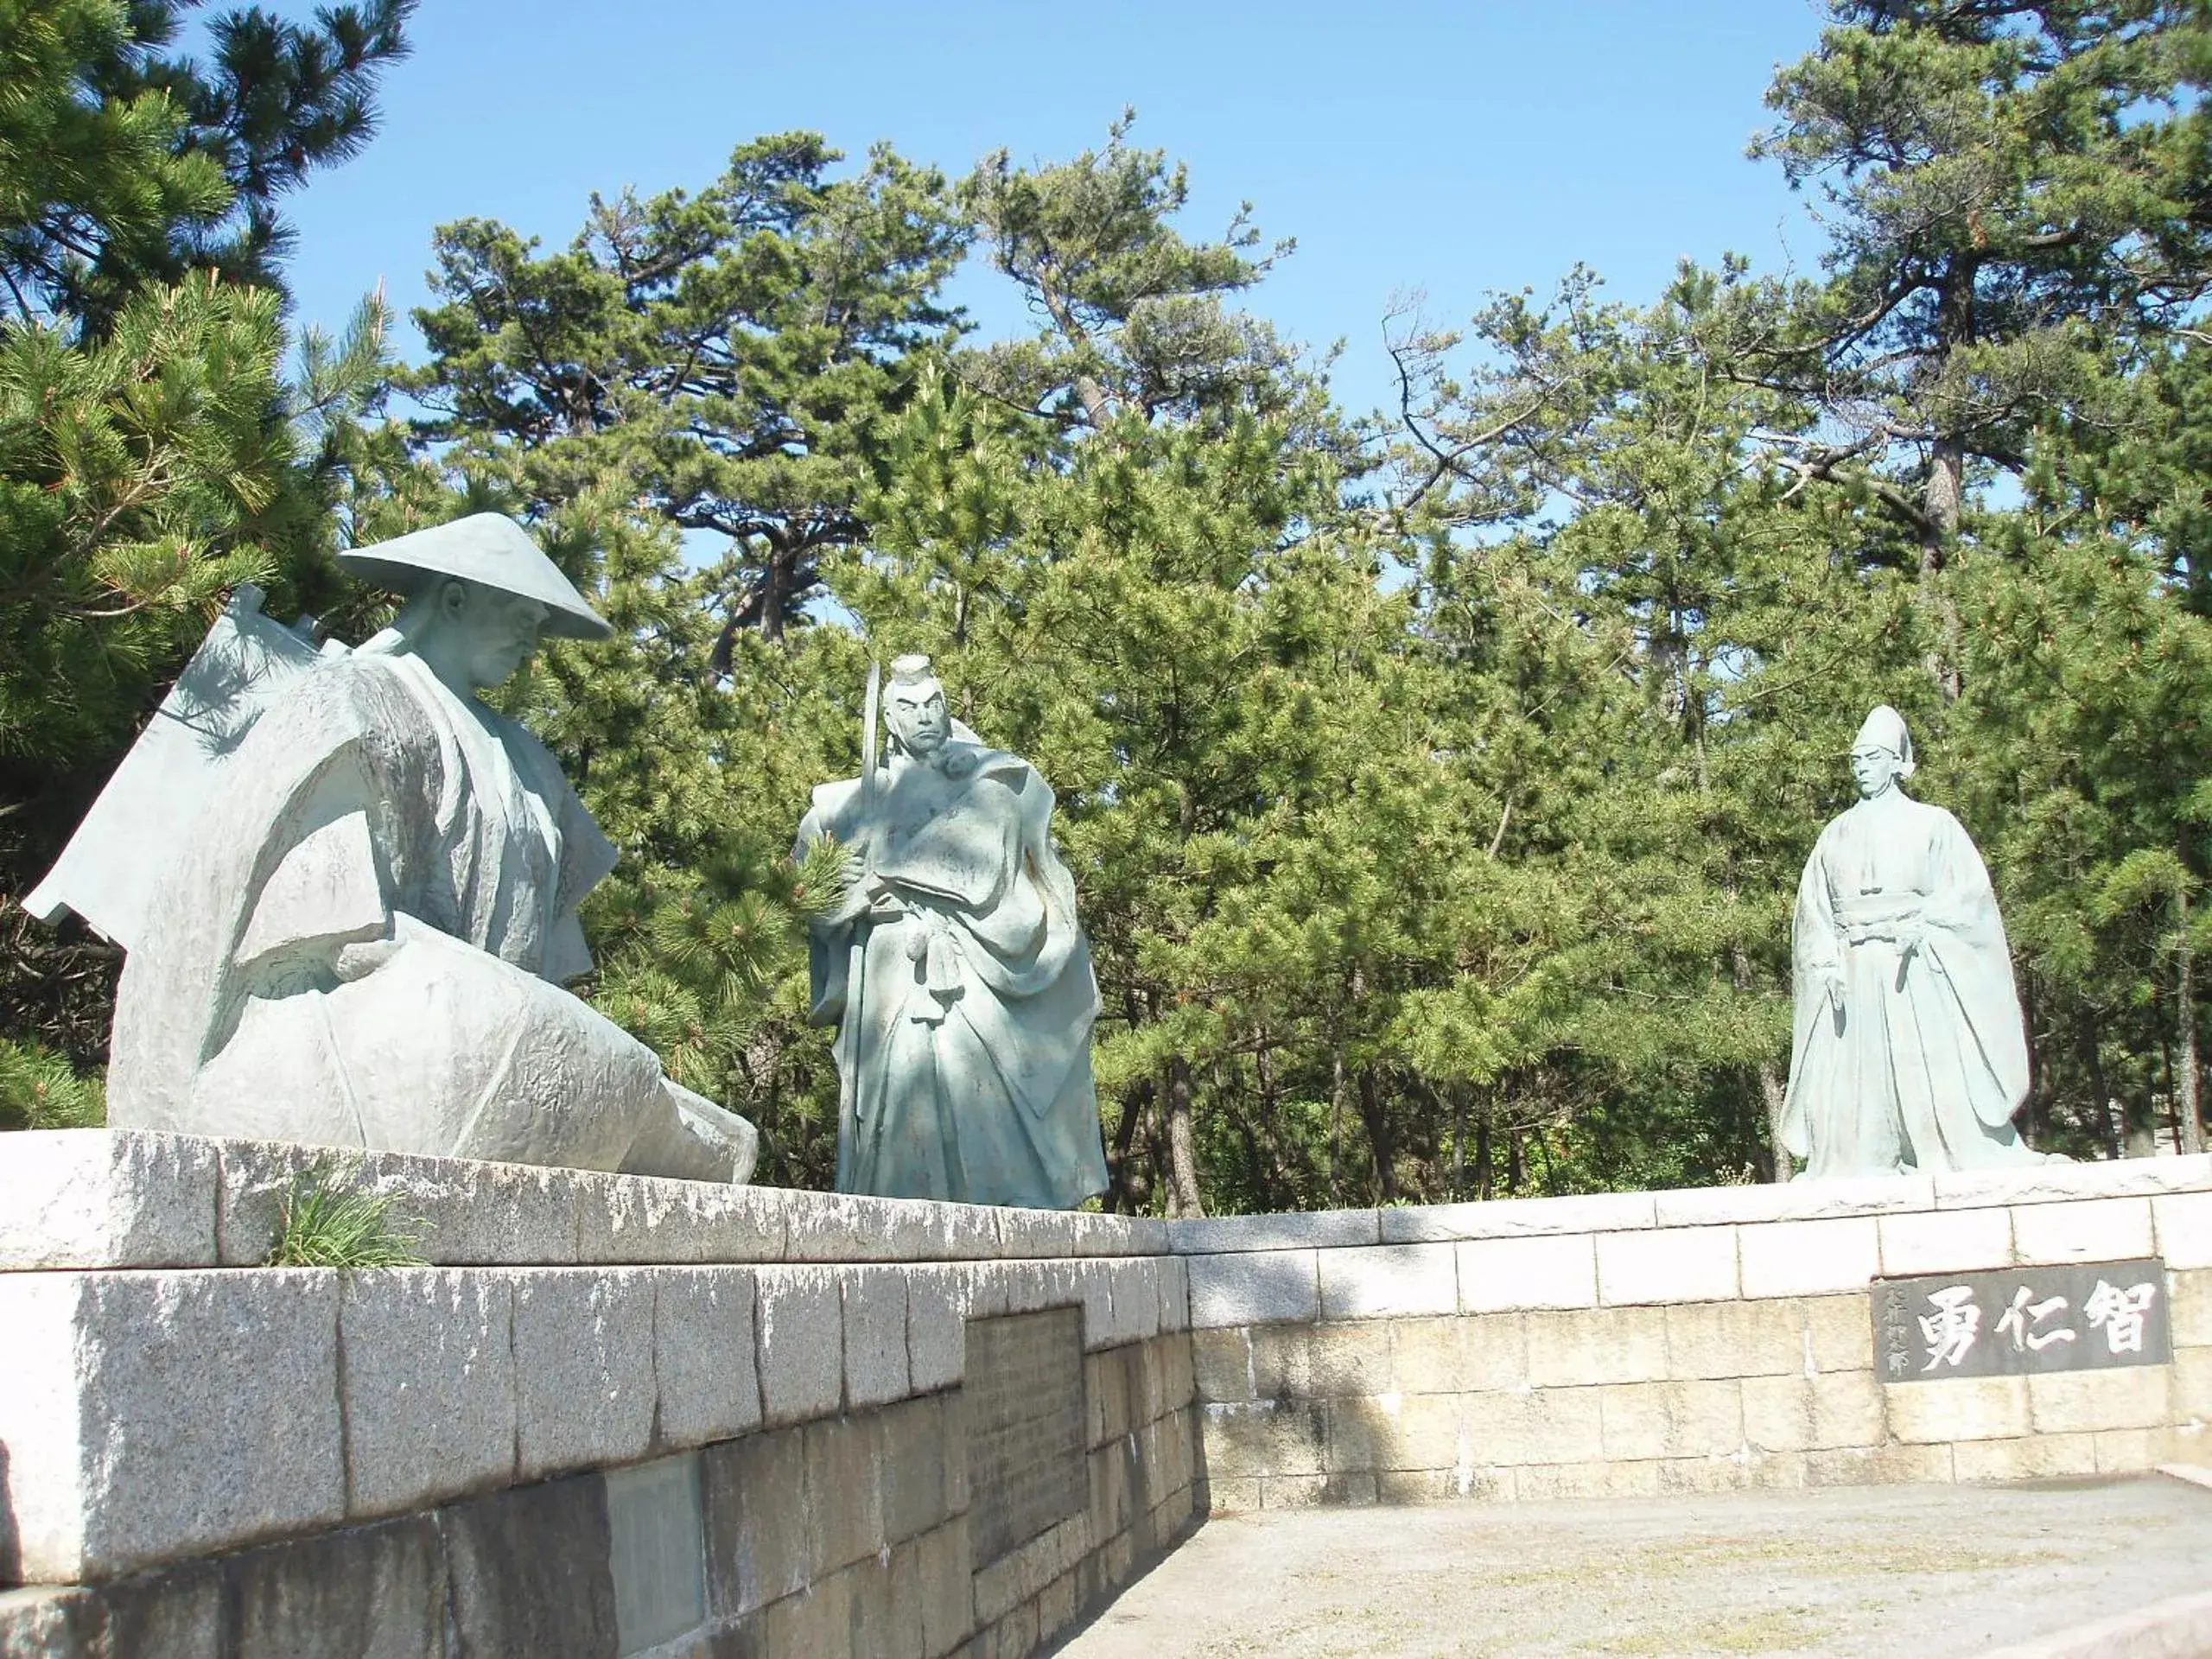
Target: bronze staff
(848, 1032)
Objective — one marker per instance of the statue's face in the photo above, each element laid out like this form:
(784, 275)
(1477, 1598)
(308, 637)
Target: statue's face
(917, 716)
(1874, 768)
(499, 630)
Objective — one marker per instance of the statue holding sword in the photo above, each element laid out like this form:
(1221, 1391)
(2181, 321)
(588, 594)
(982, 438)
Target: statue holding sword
(956, 969)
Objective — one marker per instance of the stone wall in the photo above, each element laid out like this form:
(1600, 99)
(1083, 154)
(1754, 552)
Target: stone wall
(619, 1416)
(616, 1416)
(1716, 1339)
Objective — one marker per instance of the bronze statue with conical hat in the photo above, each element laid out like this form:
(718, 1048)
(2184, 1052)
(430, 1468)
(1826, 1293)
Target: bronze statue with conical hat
(1909, 1050)
(360, 934)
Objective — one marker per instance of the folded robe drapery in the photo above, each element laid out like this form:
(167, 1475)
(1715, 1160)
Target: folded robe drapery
(357, 941)
(1925, 1061)
(966, 994)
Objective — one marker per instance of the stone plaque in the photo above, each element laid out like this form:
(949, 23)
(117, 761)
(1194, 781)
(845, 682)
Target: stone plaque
(656, 1546)
(1024, 1398)
(2020, 1321)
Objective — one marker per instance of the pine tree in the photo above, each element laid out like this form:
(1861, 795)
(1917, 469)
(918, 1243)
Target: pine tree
(1133, 313)
(2093, 659)
(699, 779)
(132, 161)
(153, 453)
(2007, 185)
(739, 349)
(724, 365)
(1116, 539)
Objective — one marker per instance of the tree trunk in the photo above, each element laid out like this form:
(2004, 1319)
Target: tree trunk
(2093, 1056)
(1136, 1100)
(2173, 1104)
(1458, 1143)
(1182, 1144)
(1773, 1090)
(1943, 501)
(1739, 963)
(1378, 1136)
(1946, 487)
(1483, 1173)
(775, 574)
(1097, 408)
(2038, 1110)
(2185, 1098)
(2142, 1127)
(1336, 1129)
(1284, 1165)
(1155, 1156)
(2140, 1117)
(1290, 1167)
(1255, 1154)
(2139, 1123)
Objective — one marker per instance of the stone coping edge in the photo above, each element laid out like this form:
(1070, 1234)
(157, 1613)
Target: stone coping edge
(2195, 1474)
(130, 1199)
(2164, 1629)
(123, 1199)
(1702, 1206)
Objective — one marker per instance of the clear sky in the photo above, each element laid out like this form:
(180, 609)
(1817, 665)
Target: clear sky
(1416, 144)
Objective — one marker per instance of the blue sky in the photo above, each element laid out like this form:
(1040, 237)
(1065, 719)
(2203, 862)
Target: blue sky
(1451, 149)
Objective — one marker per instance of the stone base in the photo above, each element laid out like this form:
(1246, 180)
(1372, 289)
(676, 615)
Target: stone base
(619, 1416)
(845, 1534)
(1632, 1344)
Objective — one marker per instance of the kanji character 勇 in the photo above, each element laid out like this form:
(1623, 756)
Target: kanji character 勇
(1951, 1329)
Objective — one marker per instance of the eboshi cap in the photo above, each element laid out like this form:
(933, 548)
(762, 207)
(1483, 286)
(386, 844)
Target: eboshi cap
(486, 548)
(1883, 729)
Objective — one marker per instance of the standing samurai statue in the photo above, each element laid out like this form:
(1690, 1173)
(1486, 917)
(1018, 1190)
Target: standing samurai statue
(347, 892)
(1909, 1051)
(955, 970)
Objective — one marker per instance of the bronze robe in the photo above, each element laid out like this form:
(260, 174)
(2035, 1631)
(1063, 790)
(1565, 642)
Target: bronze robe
(964, 997)
(359, 941)
(1927, 1060)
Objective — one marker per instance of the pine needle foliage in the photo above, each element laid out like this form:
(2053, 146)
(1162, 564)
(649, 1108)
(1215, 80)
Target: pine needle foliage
(1435, 783)
(135, 156)
(39, 1090)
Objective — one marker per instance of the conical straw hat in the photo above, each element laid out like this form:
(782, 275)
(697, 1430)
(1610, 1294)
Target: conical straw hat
(486, 548)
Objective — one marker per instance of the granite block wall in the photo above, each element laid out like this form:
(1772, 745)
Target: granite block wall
(1673, 1342)
(617, 1417)
(674, 1420)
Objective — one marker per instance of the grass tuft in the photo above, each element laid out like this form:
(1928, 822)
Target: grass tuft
(326, 1225)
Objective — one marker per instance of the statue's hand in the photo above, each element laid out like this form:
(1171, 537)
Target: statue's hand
(361, 958)
(1911, 935)
(1908, 936)
(1834, 987)
(853, 873)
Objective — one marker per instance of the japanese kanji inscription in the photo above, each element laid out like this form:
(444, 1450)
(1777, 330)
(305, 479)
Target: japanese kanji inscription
(2019, 1321)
